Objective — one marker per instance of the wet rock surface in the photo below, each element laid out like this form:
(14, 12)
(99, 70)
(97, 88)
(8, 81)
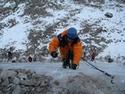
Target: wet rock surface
(20, 81)
(23, 82)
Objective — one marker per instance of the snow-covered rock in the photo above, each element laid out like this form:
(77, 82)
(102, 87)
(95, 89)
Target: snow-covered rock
(51, 78)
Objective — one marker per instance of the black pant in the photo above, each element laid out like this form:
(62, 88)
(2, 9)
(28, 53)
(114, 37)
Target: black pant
(69, 60)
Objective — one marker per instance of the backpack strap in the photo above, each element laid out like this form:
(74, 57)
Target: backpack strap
(76, 40)
(63, 40)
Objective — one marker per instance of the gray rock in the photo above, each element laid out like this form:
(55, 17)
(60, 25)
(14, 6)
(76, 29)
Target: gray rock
(109, 15)
(16, 81)
(17, 90)
(121, 1)
(22, 76)
(5, 82)
(7, 73)
(0, 80)
(29, 82)
(10, 88)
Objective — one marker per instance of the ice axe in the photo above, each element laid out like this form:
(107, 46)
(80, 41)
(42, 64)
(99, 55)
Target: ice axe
(104, 72)
(94, 67)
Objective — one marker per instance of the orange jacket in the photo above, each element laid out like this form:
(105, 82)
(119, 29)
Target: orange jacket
(76, 48)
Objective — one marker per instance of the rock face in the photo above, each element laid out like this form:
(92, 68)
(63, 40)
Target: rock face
(80, 84)
(23, 82)
(19, 81)
(121, 1)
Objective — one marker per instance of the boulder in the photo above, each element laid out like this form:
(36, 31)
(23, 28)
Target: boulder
(109, 15)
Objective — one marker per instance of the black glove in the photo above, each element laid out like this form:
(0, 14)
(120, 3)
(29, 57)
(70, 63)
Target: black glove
(54, 54)
(74, 66)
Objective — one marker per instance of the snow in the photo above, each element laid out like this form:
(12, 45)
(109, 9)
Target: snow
(7, 4)
(15, 35)
(49, 20)
(114, 50)
(114, 26)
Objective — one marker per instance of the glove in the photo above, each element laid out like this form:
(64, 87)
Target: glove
(74, 66)
(54, 54)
